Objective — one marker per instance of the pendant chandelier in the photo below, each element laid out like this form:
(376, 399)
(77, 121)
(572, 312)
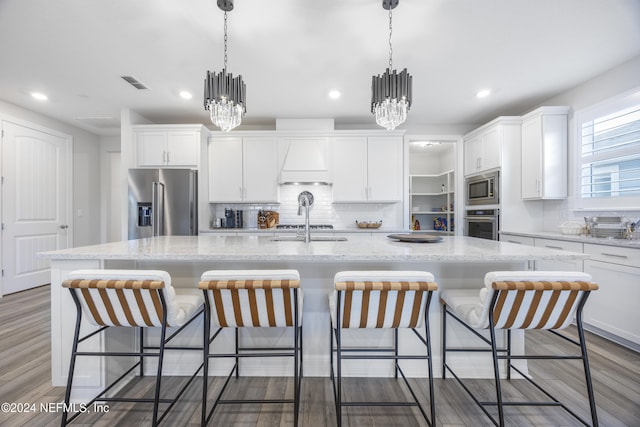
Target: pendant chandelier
(225, 95)
(391, 91)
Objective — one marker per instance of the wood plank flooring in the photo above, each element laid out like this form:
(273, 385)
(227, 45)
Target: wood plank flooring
(25, 374)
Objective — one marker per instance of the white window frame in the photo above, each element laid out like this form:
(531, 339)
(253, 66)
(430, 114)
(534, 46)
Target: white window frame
(611, 105)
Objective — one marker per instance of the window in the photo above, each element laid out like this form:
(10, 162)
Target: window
(609, 153)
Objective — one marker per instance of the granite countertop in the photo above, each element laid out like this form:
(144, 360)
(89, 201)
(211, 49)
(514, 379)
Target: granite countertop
(357, 248)
(580, 238)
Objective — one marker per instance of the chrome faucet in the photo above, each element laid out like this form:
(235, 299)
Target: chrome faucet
(305, 199)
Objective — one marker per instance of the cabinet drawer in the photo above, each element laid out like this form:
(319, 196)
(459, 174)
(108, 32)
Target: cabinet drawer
(521, 240)
(613, 254)
(560, 245)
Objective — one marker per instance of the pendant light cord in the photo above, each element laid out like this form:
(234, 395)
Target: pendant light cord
(390, 46)
(225, 39)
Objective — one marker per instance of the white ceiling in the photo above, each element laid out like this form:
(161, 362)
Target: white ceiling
(292, 52)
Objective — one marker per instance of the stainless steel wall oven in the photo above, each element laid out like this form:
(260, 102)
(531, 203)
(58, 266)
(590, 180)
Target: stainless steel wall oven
(483, 223)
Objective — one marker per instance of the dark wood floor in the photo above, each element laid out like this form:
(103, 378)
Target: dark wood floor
(25, 374)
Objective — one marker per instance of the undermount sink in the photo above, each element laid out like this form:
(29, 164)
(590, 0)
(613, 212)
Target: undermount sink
(313, 239)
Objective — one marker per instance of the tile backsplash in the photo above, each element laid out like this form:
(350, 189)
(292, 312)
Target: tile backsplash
(323, 211)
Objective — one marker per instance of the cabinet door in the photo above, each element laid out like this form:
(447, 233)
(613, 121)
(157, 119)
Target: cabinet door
(614, 306)
(491, 149)
(152, 146)
(531, 158)
(384, 169)
(183, 148)
(472, 155)
(225, 170)
(350, 169)
(260, 174)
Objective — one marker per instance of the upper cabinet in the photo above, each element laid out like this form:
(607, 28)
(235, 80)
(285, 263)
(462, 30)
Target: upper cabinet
(483, 147)
(243, 170)
(367, 169)
(544, 153)
(168, 145)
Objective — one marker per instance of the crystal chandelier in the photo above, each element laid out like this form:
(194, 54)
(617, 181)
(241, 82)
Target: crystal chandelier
(391, 91)
(225, 95)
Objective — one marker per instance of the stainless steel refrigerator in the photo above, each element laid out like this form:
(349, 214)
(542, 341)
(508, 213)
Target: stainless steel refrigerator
(163, 202)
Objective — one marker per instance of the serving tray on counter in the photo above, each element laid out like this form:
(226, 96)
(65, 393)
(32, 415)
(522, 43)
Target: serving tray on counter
(415, 238)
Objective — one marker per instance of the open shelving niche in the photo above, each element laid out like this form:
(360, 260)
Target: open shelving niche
(431, 201)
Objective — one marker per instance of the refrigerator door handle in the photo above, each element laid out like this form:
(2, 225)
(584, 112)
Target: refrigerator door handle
(157, 206)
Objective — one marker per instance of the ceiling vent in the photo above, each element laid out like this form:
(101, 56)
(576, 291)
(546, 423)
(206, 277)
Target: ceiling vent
(134, 82)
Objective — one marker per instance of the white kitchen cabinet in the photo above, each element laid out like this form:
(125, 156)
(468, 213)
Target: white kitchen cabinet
(243, 170)
(544, 153)
(367, 169)
(168, 145)
(559, 265)
(483, 148)
(613, 308)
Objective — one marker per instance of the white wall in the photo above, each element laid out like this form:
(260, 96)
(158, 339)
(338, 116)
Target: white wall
(111, 196)
(86, 176)
(609, 84)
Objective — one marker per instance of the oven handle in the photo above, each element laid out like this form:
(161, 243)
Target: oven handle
(482, 218)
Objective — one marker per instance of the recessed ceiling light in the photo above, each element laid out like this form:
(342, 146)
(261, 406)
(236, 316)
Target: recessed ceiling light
(334, 94)
(483, 93)
(185, 95)
(39, 96)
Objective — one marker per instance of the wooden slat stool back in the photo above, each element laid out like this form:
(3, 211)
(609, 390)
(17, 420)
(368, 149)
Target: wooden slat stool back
(545, 300)
(252, 299)
(131, 298)
(382, 300)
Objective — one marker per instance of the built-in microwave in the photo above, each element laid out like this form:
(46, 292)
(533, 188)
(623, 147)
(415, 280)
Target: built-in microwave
(483, 189)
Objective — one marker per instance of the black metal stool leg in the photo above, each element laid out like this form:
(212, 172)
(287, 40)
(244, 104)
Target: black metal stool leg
(205, 358)
(72, 363)
(156, 397)
(587, 371)
(496, 372)
(427, 331)
(444, 341)
(141, 347)
(395, 352)
(237, 351)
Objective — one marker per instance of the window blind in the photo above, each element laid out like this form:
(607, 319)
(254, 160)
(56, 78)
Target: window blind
(610, 154)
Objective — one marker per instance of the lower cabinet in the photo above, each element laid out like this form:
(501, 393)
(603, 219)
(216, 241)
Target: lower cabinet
(614, 307)
(611, 311)
(559, 245)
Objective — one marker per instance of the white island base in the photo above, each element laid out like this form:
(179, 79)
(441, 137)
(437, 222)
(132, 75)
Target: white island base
(457, 262)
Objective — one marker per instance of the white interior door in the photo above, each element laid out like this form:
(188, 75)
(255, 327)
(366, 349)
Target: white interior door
(35, 196)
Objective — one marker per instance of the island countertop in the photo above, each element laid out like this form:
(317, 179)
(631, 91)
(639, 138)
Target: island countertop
(263, 248)
(456, 262)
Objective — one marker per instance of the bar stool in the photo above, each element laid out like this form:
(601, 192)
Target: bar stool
(546, 300)
(383, 300)
(252, 299)
(131, 298)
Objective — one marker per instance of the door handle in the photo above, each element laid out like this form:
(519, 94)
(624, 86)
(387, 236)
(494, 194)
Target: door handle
(64, 226)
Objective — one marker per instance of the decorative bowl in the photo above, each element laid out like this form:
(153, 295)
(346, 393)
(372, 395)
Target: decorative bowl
(571, 227)
(367, 224)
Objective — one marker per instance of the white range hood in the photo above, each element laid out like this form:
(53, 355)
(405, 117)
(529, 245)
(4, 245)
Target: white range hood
(305, 161)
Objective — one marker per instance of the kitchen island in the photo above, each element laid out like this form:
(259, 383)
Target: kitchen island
(456, 262)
